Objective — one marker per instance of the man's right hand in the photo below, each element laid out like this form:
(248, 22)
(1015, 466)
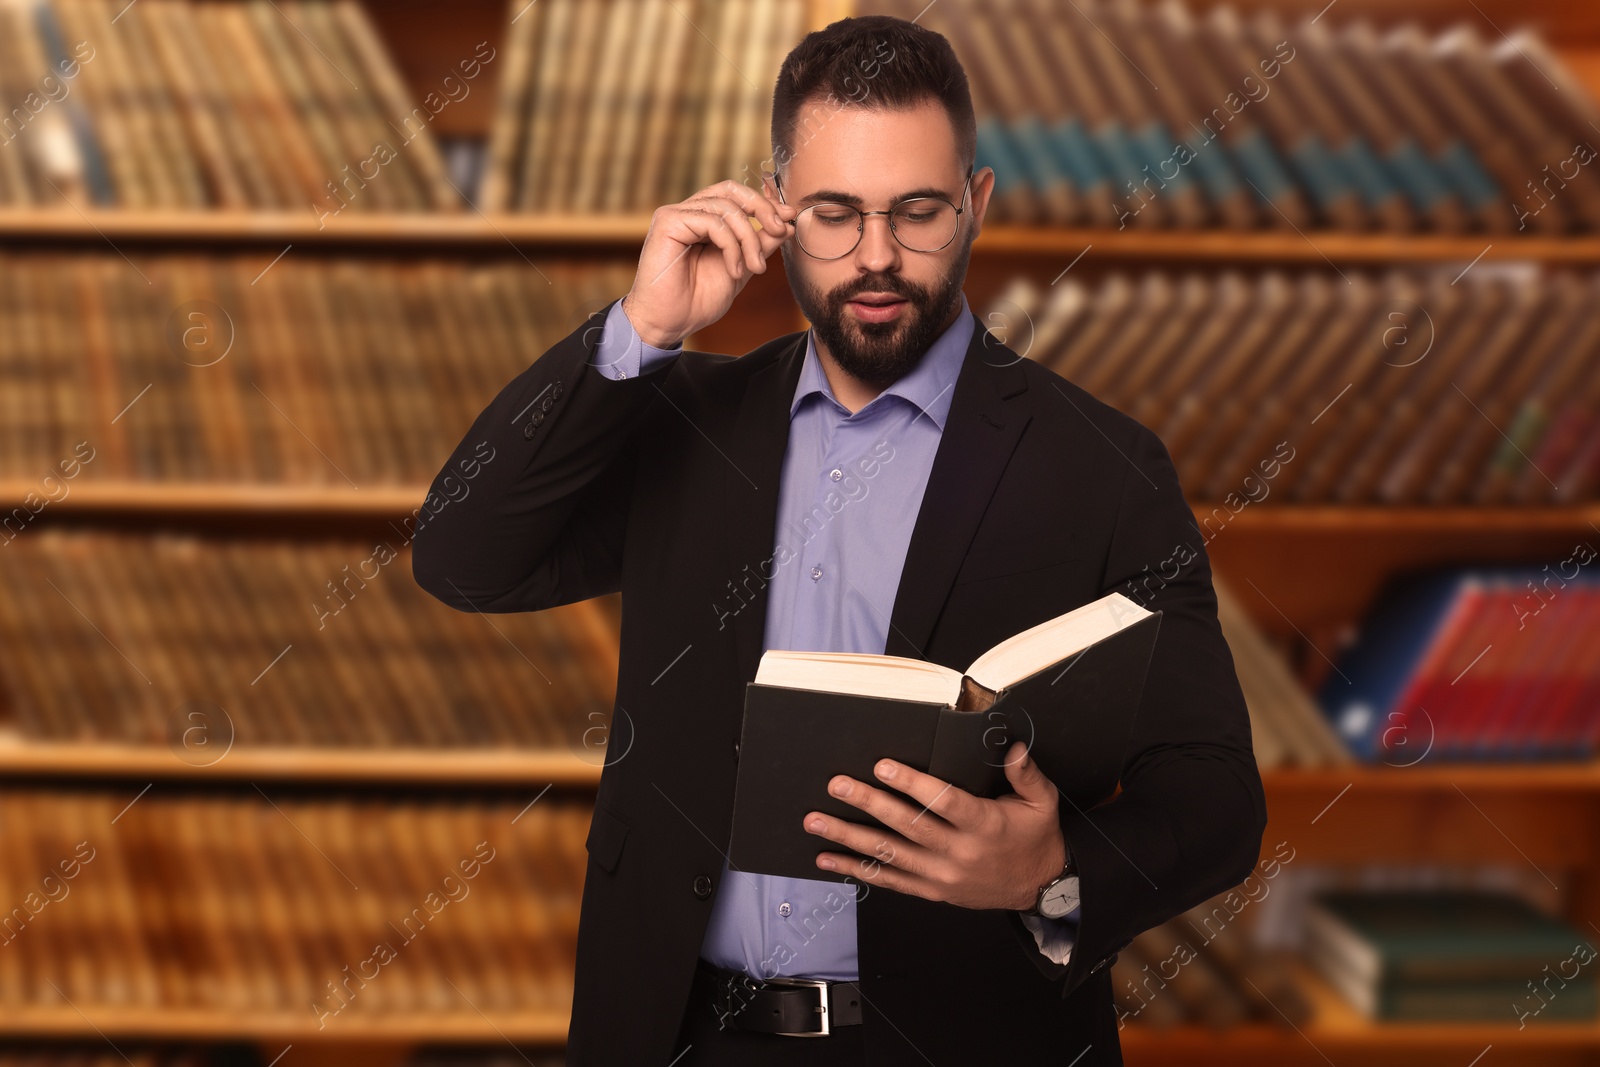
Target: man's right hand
(697, 257)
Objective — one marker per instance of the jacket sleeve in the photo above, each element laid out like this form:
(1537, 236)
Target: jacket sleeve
(1190, 813)
(530, 510)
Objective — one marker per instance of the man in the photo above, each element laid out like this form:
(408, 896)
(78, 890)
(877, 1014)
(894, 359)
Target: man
(894, 479)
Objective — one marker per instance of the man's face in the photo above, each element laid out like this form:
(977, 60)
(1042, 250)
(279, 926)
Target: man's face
(880, 157)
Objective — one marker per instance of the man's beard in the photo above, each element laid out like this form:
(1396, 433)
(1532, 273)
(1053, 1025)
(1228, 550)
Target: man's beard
(879, 353)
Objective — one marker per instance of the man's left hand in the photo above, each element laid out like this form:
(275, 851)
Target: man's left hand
(950, 846)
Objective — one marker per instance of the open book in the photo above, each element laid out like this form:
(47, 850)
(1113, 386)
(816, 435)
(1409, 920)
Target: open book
(1009, 662)
(1069, 688)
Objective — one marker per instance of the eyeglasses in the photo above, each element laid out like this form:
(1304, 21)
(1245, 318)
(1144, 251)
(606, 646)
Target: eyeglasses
(921, 224)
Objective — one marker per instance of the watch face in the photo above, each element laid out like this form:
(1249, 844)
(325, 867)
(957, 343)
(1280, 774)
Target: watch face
(1059, 900)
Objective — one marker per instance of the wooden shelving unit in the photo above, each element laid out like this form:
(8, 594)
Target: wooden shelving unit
(1306, 573)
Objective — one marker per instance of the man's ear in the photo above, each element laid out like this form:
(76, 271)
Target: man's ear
(982, 188)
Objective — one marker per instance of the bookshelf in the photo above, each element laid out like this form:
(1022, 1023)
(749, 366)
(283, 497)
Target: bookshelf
(1546, 814)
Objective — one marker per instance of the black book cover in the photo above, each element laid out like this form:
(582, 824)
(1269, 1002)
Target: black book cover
(1076, 716)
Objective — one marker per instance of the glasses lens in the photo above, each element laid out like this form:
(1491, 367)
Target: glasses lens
(925, 224)
(828, 231)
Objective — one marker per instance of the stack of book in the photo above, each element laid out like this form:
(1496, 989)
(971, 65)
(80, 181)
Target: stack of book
(614, 106)
(1116, 113)
(291, 105)
(1201, 967)
(312, 370)
(178, 640)
(1476, 664)
(289, 904)
(1411, 387)
(1451, 954)
(1286, 726)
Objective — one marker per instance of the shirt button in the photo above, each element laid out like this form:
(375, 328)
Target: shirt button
(702, 886)
(836, 474)
(784, 909)
(816, 572)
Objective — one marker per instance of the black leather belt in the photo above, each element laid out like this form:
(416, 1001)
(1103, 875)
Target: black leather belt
(793, 1007)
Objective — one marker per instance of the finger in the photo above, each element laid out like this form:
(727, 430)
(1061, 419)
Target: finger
(774, 216)
(877, 872)
(951, 803)
(879, 846)
(732, 215)
(695, 225)
(894, 811)
(1026, 777)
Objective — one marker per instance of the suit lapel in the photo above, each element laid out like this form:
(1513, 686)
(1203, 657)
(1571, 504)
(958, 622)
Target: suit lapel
(979, 436)
(760, 438)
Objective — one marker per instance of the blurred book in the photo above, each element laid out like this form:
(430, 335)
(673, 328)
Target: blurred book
(607, 106)
(1475, 664)
(1119, 113)
(1476, 956)
(198, 643)
(315, 370)
(293, 105)
(1276, 386)
(1202, 967)
(254, 904)
(1286, 726)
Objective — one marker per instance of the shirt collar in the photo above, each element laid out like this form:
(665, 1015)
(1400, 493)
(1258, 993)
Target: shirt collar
(930, 384)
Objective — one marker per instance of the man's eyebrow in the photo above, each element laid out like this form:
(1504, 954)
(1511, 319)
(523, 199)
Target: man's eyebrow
(833, 196)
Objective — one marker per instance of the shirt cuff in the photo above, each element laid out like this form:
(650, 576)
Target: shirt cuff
(622, 353)
(1055, 937)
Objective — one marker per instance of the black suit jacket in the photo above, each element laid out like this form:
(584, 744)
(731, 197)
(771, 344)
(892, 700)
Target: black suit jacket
(1040, 498)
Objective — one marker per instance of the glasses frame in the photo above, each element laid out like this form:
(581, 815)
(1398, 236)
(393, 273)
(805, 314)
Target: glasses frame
(861, 220)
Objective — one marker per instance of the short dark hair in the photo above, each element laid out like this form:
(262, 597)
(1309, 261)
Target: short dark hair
(870, 61)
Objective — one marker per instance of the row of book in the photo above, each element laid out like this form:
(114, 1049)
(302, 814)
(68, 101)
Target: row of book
(123, 1052)
(197, 644)
(1287, 728)
(615, 106)
(262, 903)
(347, 371)
(1476, 663)
(1118, 113)
(1411, 387)
(277, 104)
(1203, 968)
(1451, 955)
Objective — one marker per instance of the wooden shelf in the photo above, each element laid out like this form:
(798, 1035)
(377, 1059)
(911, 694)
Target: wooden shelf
(535, 766)
(1336, 1028)
(222, 498)
(392, 501)
(434, 766)
(626, 232)
(230, 1024)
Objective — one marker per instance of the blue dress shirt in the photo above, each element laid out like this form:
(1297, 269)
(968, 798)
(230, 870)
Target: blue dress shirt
(848, 498)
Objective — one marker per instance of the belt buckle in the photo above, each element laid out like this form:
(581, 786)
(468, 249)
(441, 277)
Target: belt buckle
(823, 1007)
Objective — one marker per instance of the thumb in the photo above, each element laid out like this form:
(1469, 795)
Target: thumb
(1025, 776)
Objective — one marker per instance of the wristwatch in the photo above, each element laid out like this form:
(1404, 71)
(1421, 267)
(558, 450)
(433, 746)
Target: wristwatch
(1059, 896)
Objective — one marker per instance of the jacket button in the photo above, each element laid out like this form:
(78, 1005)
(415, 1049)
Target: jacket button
(547, 403)
(736, 749)
(538, 417)
(527, 431)
(702, 886)
(556, 392)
